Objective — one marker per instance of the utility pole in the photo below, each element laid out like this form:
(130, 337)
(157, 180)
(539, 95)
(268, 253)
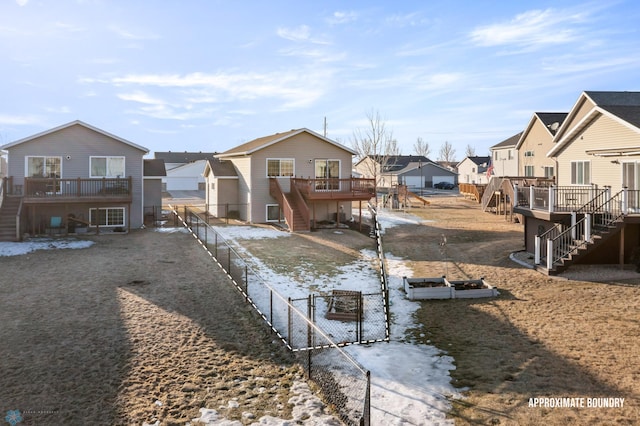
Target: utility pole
(325, 127)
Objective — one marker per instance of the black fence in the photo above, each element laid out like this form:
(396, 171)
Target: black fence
(305, 325)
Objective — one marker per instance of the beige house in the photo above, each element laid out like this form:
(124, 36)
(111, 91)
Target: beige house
(474, 170)
(592, 214)
(414, 171)
(299, 177)
(504, 158)
(535, 142)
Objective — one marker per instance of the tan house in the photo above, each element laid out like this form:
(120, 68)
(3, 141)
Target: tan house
(504, 158)
(74, 176)
(474, 170)
(414, 171)
(535, 142)
(592, 214)
(299, 177)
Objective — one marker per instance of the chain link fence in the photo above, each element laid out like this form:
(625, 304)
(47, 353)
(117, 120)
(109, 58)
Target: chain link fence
(307, 326)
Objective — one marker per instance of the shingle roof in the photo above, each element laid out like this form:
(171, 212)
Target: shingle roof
(399, 162)
(265, 141)
(630, 114)
(549, 118)
(512, 141)
(614, 98)
(154, 167)
(74, 123)
(222, 168)
(183, 157)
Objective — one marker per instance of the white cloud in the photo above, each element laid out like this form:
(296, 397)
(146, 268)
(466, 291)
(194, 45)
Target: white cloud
(342, 17)
(22, 2)
(532, 28)
(6, 119)
(299, 34)
(140, 97)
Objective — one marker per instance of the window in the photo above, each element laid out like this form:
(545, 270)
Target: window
(529, 171)
(277, 167)
(510, 154)
(528, 153)
(580, 172)
(106, 167)
(44, 167)
(330, 171)
(108, 216)
(548, 171)
(273, 213)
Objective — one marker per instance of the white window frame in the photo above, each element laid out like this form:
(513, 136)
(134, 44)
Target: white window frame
(529, 153)
(280, 160)
(326, 186)
(106, 216)
(529, 171)
(44, 157)
(267, 207)
(549, 171)
(574, 166)
(108, 157)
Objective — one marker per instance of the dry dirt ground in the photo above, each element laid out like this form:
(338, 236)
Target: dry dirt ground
(137, 328)
(542, 337)
(141, 327)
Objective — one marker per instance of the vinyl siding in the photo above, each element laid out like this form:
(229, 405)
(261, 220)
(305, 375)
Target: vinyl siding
(581, 111)
(81, 143)
(540, 141)
(602, 133)
(302, 148)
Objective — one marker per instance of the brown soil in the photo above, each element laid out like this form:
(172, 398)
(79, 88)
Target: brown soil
(137, 328)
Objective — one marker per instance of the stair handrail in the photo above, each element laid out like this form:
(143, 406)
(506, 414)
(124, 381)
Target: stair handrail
(303, 208)
(494, 184)
(606, 209)
(18, 215)
(276, 192)
(569, 241)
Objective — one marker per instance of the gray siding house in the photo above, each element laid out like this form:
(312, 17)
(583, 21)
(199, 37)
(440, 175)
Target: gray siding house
(71, 177)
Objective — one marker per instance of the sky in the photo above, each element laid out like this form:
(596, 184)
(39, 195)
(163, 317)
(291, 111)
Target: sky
(207, 75)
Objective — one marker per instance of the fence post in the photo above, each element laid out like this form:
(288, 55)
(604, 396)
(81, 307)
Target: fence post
(246, 281)
(537, 250)
(515, 195)
(229, 261)
(549, 254)
(215, 241)
(289, 322)
(532, 194)
(226, 212)
(552, 199)
(309, 338)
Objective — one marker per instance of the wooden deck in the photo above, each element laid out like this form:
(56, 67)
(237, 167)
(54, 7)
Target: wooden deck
(336, 189)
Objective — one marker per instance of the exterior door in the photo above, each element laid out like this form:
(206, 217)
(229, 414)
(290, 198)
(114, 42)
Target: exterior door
(328, 175)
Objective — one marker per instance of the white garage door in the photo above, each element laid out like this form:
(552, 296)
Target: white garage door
(413, 181)
(438, 179)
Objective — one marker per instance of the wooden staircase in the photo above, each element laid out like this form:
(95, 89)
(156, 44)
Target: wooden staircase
(299, 223)
(8, 212)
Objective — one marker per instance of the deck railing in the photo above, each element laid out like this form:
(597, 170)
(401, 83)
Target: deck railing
(361, 188)
(556, 198)
(77, 188)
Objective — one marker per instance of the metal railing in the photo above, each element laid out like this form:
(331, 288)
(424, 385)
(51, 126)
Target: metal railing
(78, 187)
(336, 188)
(344, 382)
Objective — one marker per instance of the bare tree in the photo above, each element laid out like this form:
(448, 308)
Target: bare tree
(447, 153)
(421, 147)
(375, 142)
(470, 151)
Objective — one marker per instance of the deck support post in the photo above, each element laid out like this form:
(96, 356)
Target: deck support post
(537, 250)
(587, 227)
(549, 254)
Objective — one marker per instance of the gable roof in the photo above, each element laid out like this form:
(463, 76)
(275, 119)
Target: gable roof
(551, 120)
(153, 167)
(481, 161)
(250, 147)
(71, 124)
(509, 142)
(183, 157)
(397, 162)
(623, 107)
(220, 168)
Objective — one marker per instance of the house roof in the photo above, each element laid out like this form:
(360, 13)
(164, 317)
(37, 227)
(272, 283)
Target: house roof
(154, 167)
(250, 147)
(398, 162)
(551, 120)
(220, 168)
(508, 143)
(74, 123)
(623, 107)
(481, 161)
(415, 165)
(183, 157)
